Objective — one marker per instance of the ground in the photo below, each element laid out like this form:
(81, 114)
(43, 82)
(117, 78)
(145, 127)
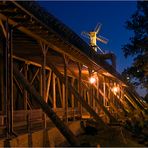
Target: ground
(111, 137)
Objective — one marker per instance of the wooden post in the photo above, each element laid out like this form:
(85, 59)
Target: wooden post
(11, 78)
(1, 84)
(89, 91)
(63, 96)
(2, 72)
(25, 92)
(66, 88)
(54, 91)
(104, 91)
(48, 86)
(80, 88)
(6, 81)
(73, 101)
(44, 51)
(60, 91)
(94, 101)
(25, 98)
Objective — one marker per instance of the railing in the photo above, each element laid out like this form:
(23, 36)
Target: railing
(27, 120)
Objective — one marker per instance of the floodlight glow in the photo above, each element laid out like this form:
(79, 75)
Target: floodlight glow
(115, 89)
(92, 80)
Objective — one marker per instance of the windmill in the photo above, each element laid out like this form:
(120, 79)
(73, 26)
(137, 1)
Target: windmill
(92, 35)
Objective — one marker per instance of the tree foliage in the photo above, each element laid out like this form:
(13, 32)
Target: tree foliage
(138, 46)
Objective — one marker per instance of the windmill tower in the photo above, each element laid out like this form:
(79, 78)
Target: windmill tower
(92, 35)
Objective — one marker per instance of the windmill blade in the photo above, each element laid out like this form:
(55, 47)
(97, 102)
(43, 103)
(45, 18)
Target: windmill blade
(102, 39)
(100, 49)
(85, 34)
(97, 28)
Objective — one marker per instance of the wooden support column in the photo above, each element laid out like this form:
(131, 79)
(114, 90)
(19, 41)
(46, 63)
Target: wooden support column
(8, 78)
(66, 60)
(2, 69)
(1, 85)
(11, 78)
(5, 54)
(48, 110)
(80, 88)
(90, 92)
(25, 92)
(41, 82)
(54, 91)
(63, 96)
(88, 96)
(72, 100)
(44, 51)
(60, 91)
(26, 103)
(104, 91)
(94, 101)
(97, 93)
(48, 85)
(109, 98)
(84, 96)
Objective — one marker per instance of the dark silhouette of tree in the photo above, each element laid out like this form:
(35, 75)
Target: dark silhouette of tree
(137, 74)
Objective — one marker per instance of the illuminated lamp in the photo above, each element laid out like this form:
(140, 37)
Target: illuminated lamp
(92, 80)
(115, 89)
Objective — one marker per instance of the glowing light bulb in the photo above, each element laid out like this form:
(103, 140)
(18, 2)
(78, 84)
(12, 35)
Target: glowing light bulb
(92, 80)
(115, 89)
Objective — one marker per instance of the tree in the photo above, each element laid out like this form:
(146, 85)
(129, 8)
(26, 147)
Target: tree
(137, 74)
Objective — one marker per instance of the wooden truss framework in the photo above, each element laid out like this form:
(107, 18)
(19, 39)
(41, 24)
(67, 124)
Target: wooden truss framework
(59, 87)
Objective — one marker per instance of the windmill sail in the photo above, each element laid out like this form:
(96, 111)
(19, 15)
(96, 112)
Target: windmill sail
(86, 34)
(97, 28)
(101, 39)
(94, 38)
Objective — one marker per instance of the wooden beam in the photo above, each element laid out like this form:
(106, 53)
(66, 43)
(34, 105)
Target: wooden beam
(48, 85)
(66, 60)
(72, 99)
(3, 28)
(60, 90)
(54, 91)
(37, 71)
(80, 87)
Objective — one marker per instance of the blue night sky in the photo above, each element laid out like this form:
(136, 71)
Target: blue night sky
(84, 15)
